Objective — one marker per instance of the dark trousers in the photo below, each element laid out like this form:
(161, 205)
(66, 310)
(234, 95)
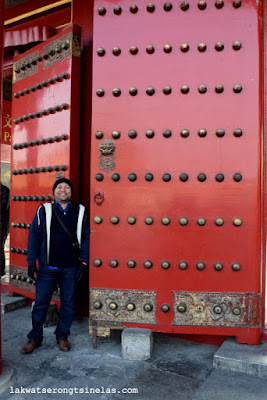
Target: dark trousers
(45, 285)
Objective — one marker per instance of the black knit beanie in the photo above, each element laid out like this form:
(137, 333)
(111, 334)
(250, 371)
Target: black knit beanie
(61, 180)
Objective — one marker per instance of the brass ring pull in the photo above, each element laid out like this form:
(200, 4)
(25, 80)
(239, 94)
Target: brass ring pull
(99, 198)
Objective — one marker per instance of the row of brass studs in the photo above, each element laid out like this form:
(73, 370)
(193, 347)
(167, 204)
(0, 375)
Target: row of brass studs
(20, 225)
(200, 265)
(23, 278)
(148, 307)
(38, 114)
(26, 171)
(31, 198)
(217, 309)
(51, 81)
(202, 5)
(45, 56)
(38, 142)
(167, 48)
(237, 177)
(201, 221)
(18, 251)
(167, 133)
(150, 91)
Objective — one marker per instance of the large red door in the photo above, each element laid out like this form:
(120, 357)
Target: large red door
(45, 137)
(176, 212)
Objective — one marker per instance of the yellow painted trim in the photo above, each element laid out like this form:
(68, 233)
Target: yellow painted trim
(37, 11)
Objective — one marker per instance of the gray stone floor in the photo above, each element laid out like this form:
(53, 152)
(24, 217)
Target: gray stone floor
(178, 369)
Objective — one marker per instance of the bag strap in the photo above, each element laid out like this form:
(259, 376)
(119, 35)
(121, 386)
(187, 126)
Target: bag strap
(66, 230)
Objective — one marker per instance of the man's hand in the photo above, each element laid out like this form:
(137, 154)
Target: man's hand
(81, 271)
(31, 271)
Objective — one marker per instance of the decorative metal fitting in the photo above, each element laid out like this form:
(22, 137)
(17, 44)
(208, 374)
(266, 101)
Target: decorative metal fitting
(184, 5)
(149, 177)
(150, 49)
(113, 306)
(202, 132)
(133, 8)
(201, 177)
(219, 221)
(219, 46)
(165, 308)
(150, 7)
(236, 311)
(99, 134)
(133, 50)
(220, 132)
(116, 134)
(115, 177)
(167, 48)
(167, 6)
(148, 307)
(166, 177)
(101, 11)
(218, 266)
(114, 263)
(132, 177)
(237, 45)
(149, 220)
(185, 89)
(181, 308)
(237, 3)
(101, 52)
(202, 47)
(237, 221)
(237, 177)
(165, 264)
(219, 177)
(150, 91)
(201, 221)
(131, 263)
(117, 10)
(148, 264)
(202, 5)
(100, 92)
(183, 265)
(131, 220)
(184, 47)
(219, 88)
(98, 219)
(183, 221)
(184, 133)
(116, 92)
(202, 89)
(150, 133)
(237, 88)
(183, 177)
(200, 265)
(238, 132)
(217, 309)
(166, 220)
(219, 4)
(167, 90)
(167, 133)
(133, 91)
(130, 306)
(132, 134)
(236, 266)
(115, 220)
(97, 305)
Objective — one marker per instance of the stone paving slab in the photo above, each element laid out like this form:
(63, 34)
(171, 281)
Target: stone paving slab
(242, 358)
(11, 303)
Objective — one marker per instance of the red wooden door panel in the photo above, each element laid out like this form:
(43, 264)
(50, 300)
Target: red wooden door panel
(176, 167)
(45, 137)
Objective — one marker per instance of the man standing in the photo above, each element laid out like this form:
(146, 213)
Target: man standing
(4, 224)
(59, 240)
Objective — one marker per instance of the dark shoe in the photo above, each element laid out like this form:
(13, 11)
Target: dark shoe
(64, 345)
(29, 347)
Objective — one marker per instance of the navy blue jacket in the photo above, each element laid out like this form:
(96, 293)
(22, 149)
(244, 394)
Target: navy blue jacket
(61, 251)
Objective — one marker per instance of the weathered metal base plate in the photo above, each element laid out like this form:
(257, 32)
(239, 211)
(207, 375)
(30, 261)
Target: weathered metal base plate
(217, 309)
(122, 298)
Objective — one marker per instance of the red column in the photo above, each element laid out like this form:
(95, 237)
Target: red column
(1, 103)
